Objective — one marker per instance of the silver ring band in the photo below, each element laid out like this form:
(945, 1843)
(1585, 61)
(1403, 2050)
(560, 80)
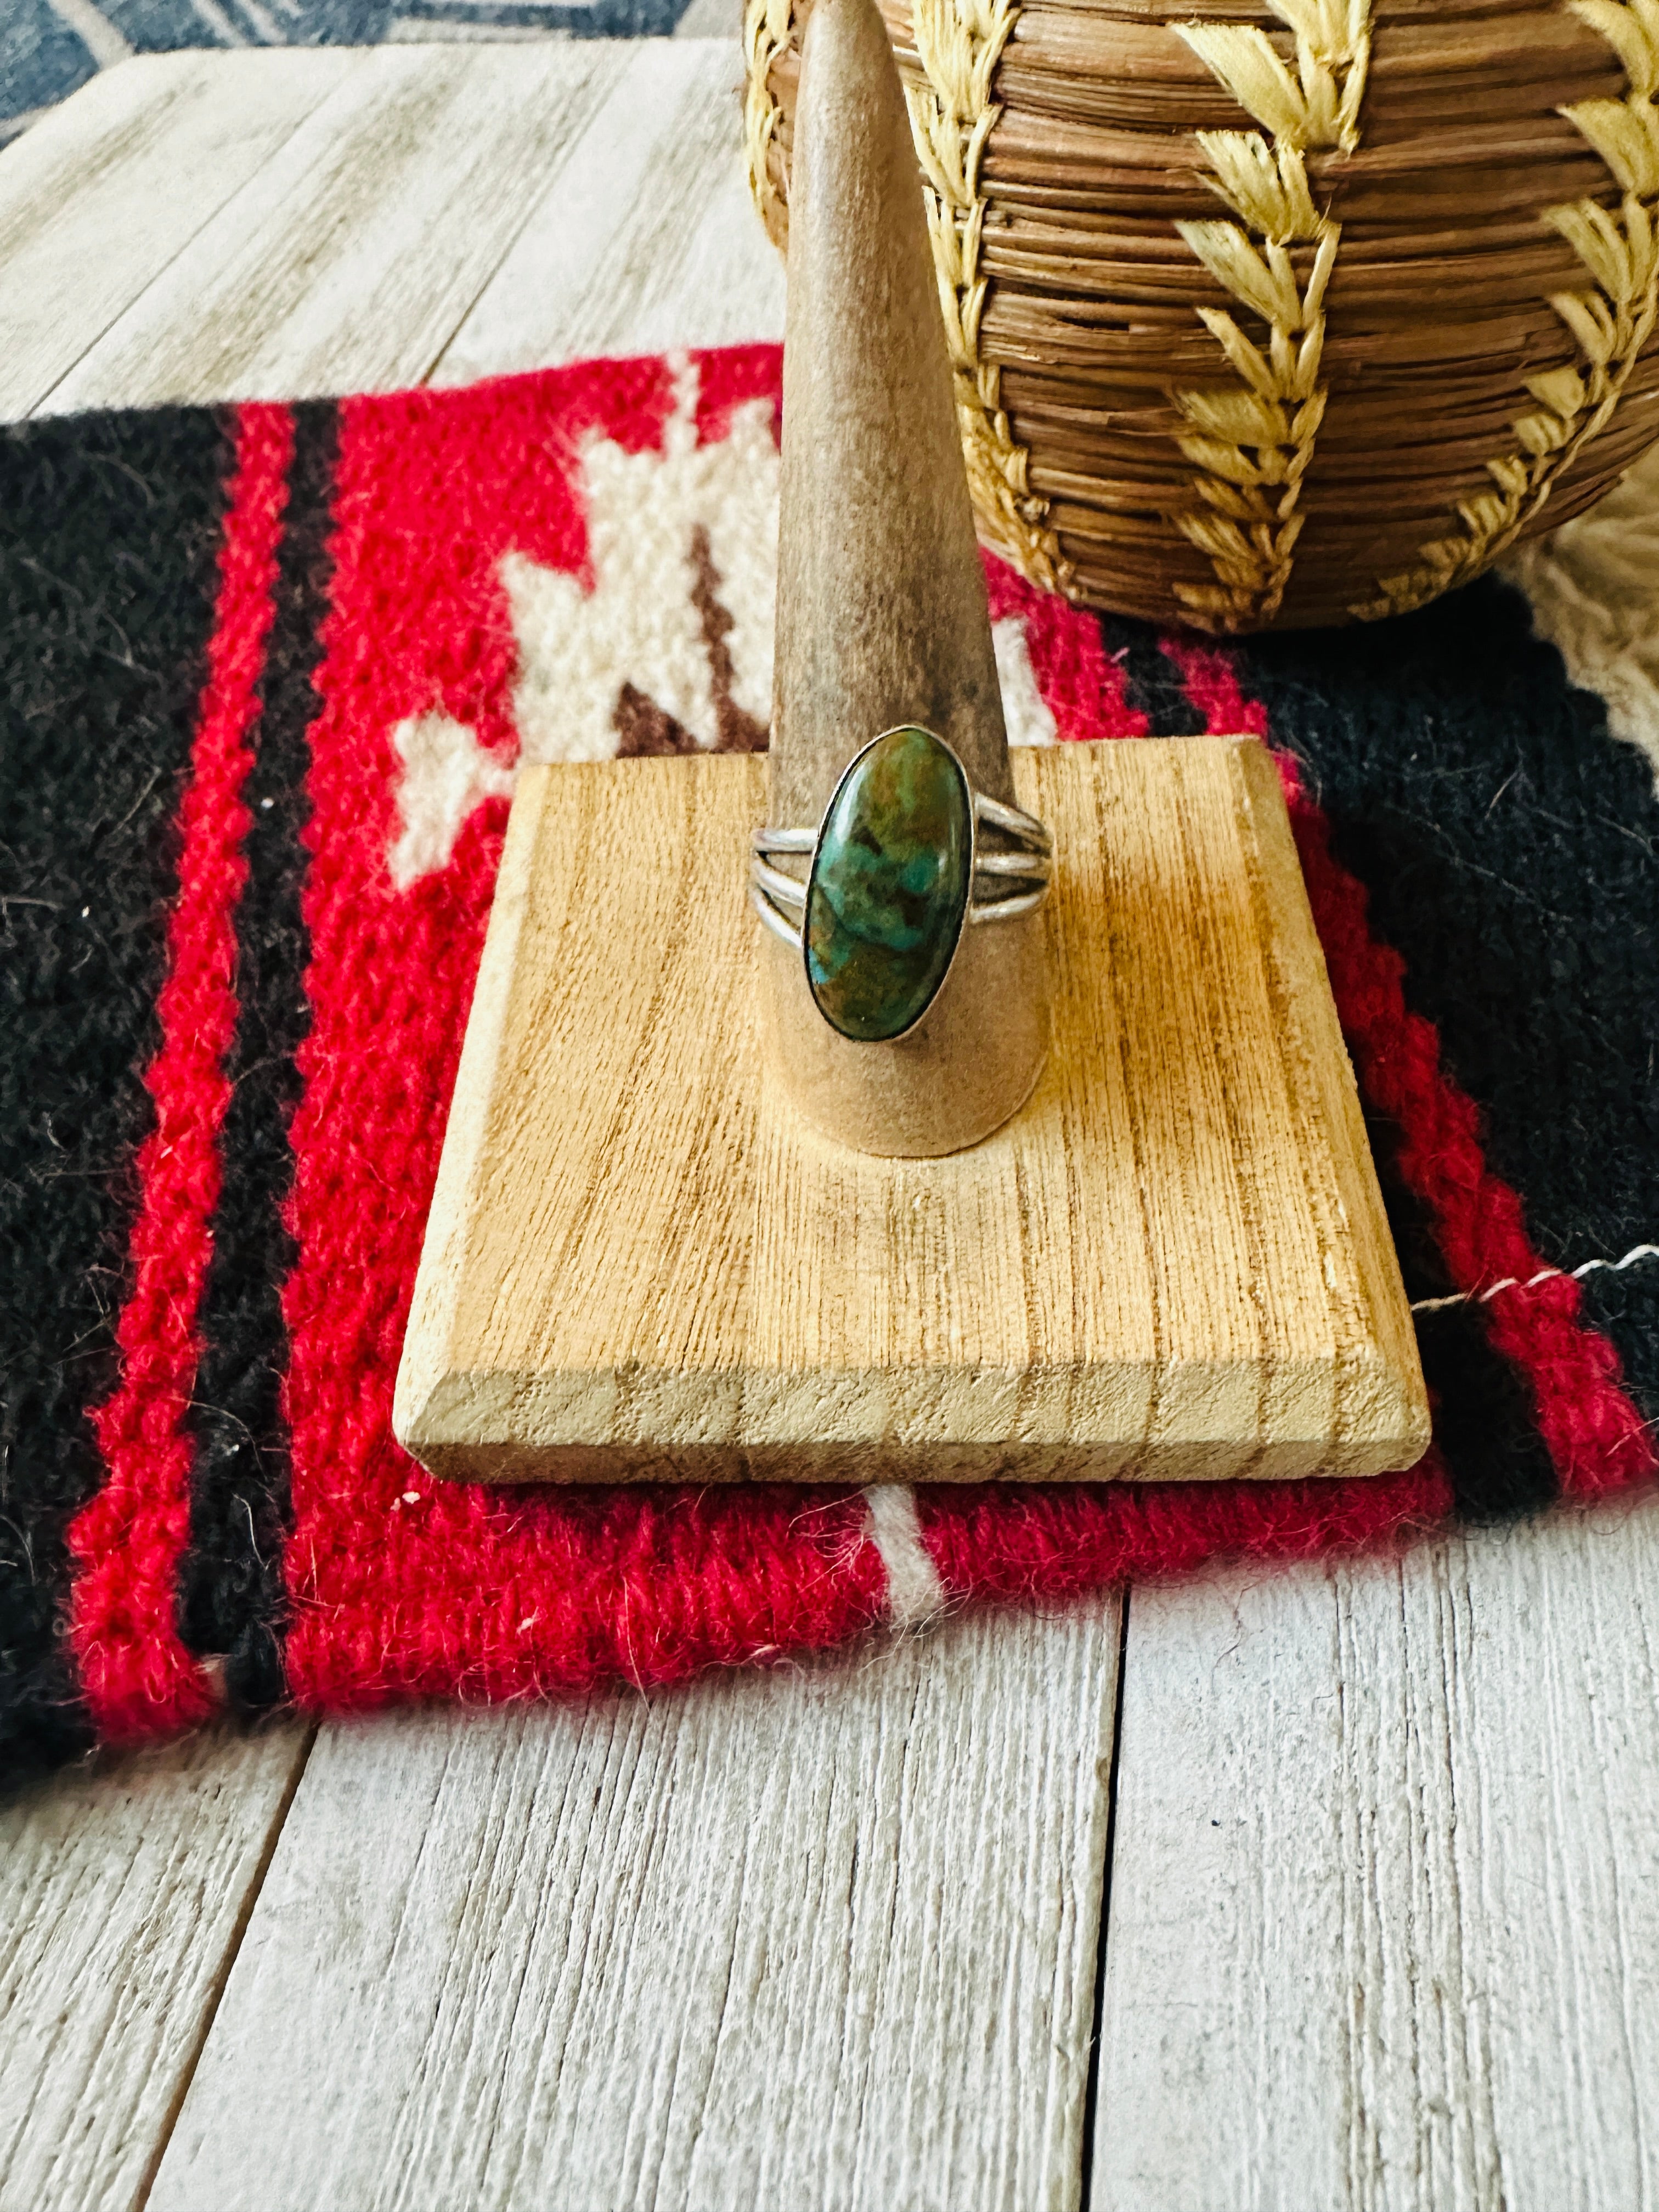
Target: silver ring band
(1026, 871)
(1009, 865)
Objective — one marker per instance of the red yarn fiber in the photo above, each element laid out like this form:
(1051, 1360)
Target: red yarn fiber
(401, 1585)
(397, 1585)
(137, 1678)
(1594, 1434)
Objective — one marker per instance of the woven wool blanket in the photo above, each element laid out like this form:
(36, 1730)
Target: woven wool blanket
(268, 672)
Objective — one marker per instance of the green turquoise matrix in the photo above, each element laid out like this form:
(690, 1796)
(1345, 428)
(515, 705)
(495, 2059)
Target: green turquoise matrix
(890, 885)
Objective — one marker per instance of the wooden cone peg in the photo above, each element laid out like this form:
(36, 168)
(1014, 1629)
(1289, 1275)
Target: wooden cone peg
(882, 624)
(917, 1182)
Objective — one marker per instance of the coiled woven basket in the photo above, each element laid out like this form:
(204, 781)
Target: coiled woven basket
(1264, 317)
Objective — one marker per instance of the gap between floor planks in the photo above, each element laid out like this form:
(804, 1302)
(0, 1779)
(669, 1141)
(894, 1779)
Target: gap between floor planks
(101, 196)
(389, 240)
(128, 1883)
(1384, 1907)
(1445, 1932)
(822, 1937)
(461, 289)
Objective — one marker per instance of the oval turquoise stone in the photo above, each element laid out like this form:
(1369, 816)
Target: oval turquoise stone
(888, 890)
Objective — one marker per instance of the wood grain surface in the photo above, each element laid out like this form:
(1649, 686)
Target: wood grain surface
(123, 1889)
(1384, 1928)
(1173, 1262)
(820, 1937)
(350, 261)
(642, 238)
(882, 613)
(1413, 1965)
(100, 199)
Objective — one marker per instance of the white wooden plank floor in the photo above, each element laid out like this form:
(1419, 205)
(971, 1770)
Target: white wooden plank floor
(824, 1937)
(123, 1891)
(1384, 1926)
(1381, 1872)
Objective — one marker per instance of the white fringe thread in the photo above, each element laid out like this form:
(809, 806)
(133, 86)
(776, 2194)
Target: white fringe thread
(915, 1594)
(1544, 1275)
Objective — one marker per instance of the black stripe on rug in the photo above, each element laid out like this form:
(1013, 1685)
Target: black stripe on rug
(1152, 685)
(1498, 1464)
(1511, 849)
(231, 1594)
(109, 534)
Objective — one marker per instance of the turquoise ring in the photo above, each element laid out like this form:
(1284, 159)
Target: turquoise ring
(906, 857)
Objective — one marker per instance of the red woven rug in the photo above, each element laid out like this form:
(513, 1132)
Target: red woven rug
(267, 674)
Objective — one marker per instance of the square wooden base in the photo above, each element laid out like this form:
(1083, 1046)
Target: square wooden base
(641, 1263)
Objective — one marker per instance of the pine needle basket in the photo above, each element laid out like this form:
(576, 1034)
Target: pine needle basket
(1268, 317)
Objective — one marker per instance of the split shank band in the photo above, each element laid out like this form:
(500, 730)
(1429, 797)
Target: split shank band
(1005, 885)
(906, 856)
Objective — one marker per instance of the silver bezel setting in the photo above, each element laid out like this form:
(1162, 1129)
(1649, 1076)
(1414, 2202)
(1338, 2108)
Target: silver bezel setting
(1025, 869)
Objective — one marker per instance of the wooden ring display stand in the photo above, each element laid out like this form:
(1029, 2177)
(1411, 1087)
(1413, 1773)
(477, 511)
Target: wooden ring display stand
(683, 1231)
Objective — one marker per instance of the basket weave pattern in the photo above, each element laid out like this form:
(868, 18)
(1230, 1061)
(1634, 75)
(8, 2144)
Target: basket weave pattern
(1269, 316)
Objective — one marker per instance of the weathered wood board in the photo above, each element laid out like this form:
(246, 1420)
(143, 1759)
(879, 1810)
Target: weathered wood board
(823, 1937)
(614, 257)
(1384, 1924)
(640, 1261)
(351, 263)
(124, 1890)
(1406, 1966)
(98, 199)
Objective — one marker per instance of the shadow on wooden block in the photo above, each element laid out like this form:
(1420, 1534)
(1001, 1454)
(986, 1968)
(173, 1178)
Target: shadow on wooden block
(642, 1263)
